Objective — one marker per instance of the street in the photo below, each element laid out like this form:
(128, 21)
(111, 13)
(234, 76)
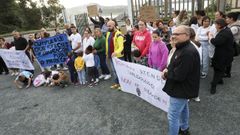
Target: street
(103, 111)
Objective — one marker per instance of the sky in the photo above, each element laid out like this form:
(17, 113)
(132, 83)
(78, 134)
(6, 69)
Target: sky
(74, 3)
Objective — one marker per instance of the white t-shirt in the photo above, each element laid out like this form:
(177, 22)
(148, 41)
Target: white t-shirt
(75, 39)
(87, 42)
(202, 33)
(89, 60)
(195, 27)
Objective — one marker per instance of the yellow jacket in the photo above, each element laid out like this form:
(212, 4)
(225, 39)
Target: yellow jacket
(118, 43)
(79, 63)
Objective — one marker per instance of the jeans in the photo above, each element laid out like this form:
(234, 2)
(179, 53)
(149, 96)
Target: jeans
(103, 64)
(178, 115)
(205, 56)
(81, 76)
(114, 71)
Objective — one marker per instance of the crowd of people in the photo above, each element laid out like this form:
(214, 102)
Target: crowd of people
(183, 49)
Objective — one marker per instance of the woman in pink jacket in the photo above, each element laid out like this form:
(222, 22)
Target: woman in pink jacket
(142, 40)
(158, 53)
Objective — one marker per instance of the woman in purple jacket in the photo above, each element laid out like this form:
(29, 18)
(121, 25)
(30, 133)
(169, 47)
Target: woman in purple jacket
(158, 53)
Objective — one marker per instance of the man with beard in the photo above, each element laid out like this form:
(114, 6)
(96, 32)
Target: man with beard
(114, 48)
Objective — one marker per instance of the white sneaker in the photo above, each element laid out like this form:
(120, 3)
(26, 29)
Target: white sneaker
(197, 99)
(102, 76)
(65, 68)
(97, 80)
(107, 77)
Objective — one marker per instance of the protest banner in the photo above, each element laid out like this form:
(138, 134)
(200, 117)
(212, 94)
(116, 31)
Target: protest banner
(92, 10)
(81, 22)
(16, 59)
(52, 50)
(143, 82)
(148, 13)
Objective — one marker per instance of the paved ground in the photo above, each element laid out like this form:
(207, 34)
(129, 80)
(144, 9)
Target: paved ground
(102, 111)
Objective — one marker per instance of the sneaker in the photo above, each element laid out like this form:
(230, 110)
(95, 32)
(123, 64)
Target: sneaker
(197, 99)
(107, 77)
(102, 76)
(65, 68)
(12, 74)
(203, 75)
(115, 86)
(227, 75)
(119, 88)
(185, 132)
(97, 80)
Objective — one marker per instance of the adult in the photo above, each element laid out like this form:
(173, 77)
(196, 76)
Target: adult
(88, 40)
(67, 30)
(142, 40)
(100, 49)
(174, 15)
(104, 27)
(234, 25)
(194, 23)
(76, 40)
(114, 48)
(202, 37)
(3, 45)
(182, 80)
(200, 14)
(182, 18)
(97, 24)
(20, 42)
(223, 55)
(213, 31)
(128, 24)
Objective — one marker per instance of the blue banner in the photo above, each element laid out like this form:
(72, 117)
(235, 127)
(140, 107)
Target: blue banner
(52, 50)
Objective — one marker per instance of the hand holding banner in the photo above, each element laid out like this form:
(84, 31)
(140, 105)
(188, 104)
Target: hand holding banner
(53, 50)
(16, 59)
(143, 82)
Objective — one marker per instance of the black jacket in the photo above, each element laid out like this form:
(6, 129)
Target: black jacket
(183, 75)
(98, 24)
(224, 50)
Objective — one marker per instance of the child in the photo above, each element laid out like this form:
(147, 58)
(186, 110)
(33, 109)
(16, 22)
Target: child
(136, 54)
(59, 79)
(158, 53)
(71, 68)
(25, 78)
(90, 65)
(79, 66)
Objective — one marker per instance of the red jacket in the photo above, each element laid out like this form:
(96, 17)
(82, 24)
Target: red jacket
(142, 40)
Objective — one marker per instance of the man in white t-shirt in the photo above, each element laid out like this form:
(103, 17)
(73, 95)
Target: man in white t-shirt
(76, 40)
(88, 40)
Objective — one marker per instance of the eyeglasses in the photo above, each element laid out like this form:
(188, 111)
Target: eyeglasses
(177, 34)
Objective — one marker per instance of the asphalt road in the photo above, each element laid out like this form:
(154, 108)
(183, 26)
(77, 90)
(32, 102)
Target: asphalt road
(102, 111)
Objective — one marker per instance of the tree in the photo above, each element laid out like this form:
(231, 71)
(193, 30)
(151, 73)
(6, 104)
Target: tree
(9, 20)
(56, 10)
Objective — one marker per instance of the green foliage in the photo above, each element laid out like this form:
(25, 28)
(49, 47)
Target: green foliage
(25, 15)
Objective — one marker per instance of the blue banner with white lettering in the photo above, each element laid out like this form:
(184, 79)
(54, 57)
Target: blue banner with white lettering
(52, 50)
